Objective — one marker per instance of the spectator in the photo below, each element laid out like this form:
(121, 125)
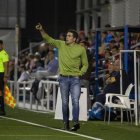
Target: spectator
(81, 36)
(52, 67)
(90, 39)
(109, 60)
(121, 44)
(85, 79)
(26, 57)
(42, 50)
(62, 37)
(110, 69)
(46, 62)
(22, 59)
(105, 60)
(24, 74)
(120, 35)
(115, 50)
(110, 35)
(112, 43)
(113, 86)
(46, 50)
(51, 48)
(113, 83)
(11, 71)
(38, 61)
(31, 64)
(104, 37)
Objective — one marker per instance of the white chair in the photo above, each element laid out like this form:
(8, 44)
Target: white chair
(125, 103)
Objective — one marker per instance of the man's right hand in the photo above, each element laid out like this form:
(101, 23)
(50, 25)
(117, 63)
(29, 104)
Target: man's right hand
(39, 27)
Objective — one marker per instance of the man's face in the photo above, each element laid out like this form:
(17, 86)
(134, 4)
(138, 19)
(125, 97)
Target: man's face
(111, 68)
(81, 36)
(121, 46)
(69, 38)
(114, 51)
(117, 66)
(83, 45)
(1, 47)
(107, 55)
(111, 44)
(51, 55)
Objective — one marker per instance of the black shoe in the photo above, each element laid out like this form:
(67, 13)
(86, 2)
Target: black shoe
(65, 126)
(2, 112)
(75, 126)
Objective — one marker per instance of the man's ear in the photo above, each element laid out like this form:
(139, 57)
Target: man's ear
(74, 39)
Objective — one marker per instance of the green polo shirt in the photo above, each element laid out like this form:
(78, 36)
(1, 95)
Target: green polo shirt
(69, 57)
(3, 58)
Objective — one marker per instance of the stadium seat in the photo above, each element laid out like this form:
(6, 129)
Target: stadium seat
(125, 102)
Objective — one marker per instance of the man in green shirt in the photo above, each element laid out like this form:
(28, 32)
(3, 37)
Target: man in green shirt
(4, 62)
(70, 57)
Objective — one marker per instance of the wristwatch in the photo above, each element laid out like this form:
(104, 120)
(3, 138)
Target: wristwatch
(5, 76)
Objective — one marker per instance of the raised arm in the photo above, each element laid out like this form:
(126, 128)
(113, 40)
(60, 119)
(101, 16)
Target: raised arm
(43, 33)
(47, 38)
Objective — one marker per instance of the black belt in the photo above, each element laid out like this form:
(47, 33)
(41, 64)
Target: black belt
(68, 76)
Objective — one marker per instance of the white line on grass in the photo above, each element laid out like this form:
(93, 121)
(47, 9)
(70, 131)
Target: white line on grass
(53, 128)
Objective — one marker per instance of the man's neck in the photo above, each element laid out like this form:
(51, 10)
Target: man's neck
(72, 44)
(1, 50)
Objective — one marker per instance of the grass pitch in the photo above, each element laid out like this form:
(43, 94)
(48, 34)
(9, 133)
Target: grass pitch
(14, 130)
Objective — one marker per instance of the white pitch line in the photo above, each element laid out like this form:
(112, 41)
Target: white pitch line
(52, 128)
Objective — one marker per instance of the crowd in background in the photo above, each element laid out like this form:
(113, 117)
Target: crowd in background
(45, 62)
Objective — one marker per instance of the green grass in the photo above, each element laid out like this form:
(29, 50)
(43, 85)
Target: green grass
(13, 130)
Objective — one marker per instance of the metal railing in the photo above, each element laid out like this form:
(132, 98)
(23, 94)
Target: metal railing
(31, 103)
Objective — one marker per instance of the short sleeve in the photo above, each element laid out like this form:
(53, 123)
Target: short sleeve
(5, 57)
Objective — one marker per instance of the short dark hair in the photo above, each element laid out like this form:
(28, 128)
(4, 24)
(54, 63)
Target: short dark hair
(75, 34)
(85, 43)
(115, 47)
(107, 49)
(52, 51)
(121, 40)
(109, 53)
(1, 42)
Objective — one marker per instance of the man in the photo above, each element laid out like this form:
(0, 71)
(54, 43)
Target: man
(113, 83)
(113, 86)
(104, 37)
(115, 50)
(52, 67)
(4, 63)
(112, 42)
(70, 56)
(31, 62)
(85, 79)
(24, 74)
